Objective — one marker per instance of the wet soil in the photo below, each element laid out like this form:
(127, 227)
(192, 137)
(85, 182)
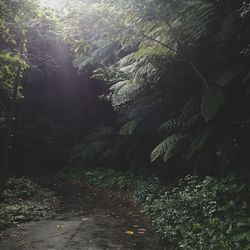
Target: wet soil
(88, 218)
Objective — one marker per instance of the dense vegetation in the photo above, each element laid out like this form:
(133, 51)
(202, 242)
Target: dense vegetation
(193, 213)
(24, 200)
(156, 86)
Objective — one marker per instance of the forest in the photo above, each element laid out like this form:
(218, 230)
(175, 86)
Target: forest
(125, 124)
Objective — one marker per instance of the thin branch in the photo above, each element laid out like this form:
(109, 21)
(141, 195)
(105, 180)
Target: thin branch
(159, 42)
(4, 107)
(199, 74)
(173, 32)
(196, 70)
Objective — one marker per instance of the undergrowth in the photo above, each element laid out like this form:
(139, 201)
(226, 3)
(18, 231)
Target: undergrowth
(192, 214)
(24, 200)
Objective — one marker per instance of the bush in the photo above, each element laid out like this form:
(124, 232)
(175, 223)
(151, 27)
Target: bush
(195, 213)
(23, 200)
(200, 214)
(111, 178)
(20, 188)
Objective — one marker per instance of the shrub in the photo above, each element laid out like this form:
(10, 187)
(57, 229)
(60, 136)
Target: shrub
(201, 214)
(192, 214)
(22, 200)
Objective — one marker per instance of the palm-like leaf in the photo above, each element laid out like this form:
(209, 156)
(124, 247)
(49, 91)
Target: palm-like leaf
(212, 102)
(167, 147)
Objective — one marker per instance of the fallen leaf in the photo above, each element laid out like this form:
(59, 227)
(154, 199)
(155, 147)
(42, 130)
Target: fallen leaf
(84, 219)
(129, 232)
(141, 231)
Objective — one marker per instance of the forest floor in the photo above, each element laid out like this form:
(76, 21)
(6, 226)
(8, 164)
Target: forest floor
(89, 218)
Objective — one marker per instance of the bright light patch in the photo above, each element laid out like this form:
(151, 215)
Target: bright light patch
(50, 3)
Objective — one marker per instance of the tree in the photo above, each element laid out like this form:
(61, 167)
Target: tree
(15, 22)
(153, 53)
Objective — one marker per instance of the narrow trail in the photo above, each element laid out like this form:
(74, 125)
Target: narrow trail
(88, 219)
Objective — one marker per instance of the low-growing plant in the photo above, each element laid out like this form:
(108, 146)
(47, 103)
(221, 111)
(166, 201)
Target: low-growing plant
(23, 200)
(200, 213)
(192, 214)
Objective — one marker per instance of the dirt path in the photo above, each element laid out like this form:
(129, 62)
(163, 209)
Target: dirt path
(89, 219)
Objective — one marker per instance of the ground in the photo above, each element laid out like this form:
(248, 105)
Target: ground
(88, 218)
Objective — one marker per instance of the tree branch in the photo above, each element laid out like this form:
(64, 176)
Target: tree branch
(159, 42)
(199, 74)
(196, 70)
(4, 107)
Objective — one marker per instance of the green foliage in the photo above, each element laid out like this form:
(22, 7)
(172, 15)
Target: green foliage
(23, 200)
(129, 127)
(167, 148)
(171, 126)
(162, 73)
(193, 213)
(212, 103)
(94, 148)
(199, 142)
(110, 178)
(21, 188)
(201, 214)
(9, 65)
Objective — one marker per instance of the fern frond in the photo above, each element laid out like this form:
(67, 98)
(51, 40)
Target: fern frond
(140, 111)
(124, 94)
(129, 127)
(199, 142)
(171, 126)
(126, 60)
(212, 102)
(174, 125)
(229, 28)
(167, 147)
(99, 133)
(156, 51)
(195, 16)
(191, 108)
(229, 76)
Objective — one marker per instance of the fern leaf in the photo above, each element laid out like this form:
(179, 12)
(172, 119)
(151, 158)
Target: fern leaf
(129, 127)
(229, 27)
(167, 147)
(212, 102)
(229, 76)
(191, 107)
(177, 125)
(127, 92)
(99, 133)
(199, 142)
(171, 125)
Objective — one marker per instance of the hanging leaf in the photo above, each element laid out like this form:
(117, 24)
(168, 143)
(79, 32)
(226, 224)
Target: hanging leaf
(212, 102)
(229, 76)
(167, 147)
(199, 141)
(129, 127)
(246, 78)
